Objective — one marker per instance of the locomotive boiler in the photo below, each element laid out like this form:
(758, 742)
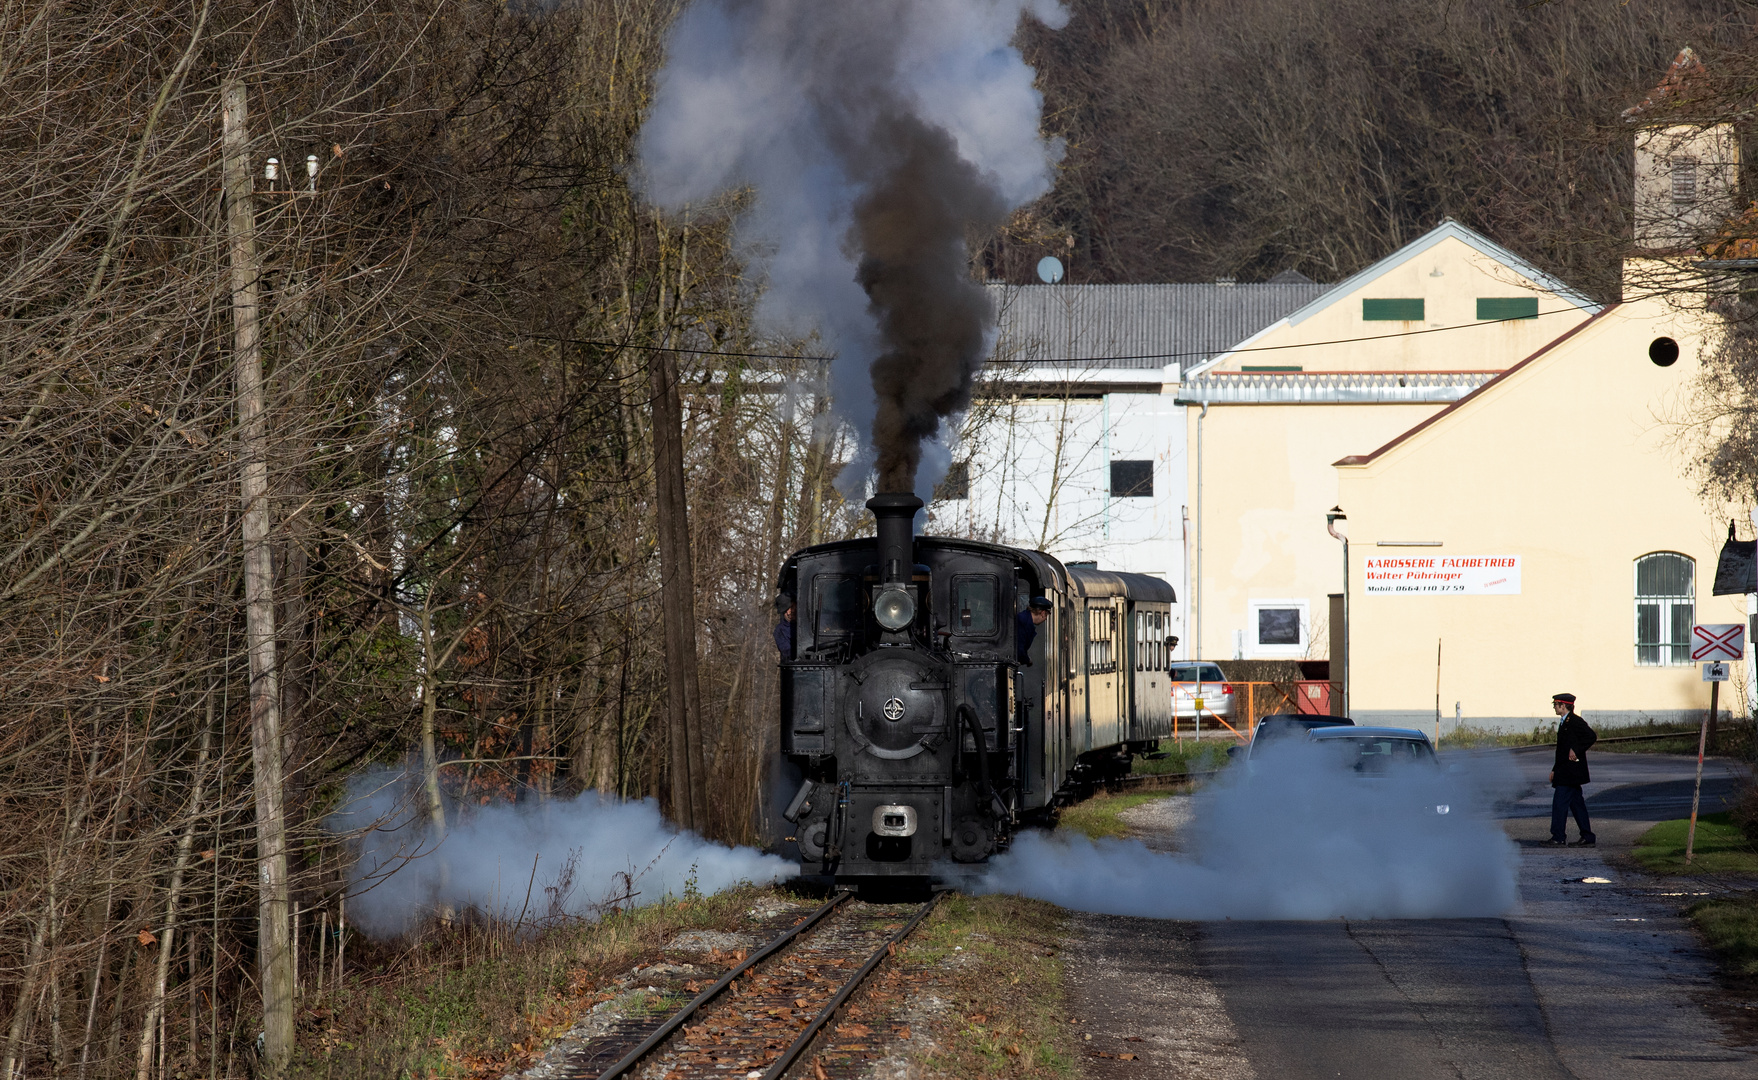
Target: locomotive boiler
(924, 733)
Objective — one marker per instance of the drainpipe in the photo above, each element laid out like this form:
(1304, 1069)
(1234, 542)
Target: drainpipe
(1331, 518)
(1184, 549)
(1197, 589)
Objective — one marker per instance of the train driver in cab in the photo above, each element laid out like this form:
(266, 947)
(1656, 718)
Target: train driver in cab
(1026, 625)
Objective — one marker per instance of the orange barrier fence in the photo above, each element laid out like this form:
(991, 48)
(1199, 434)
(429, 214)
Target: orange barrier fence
(1236, 715)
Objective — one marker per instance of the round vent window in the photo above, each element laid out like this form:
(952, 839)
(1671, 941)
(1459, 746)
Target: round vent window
(1663, 351)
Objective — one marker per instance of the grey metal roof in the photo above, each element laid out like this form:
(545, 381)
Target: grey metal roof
(1135, 326)
(1319, 388)
(1143, 587)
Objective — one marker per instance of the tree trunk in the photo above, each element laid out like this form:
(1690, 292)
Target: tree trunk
(273, 947)
(677, 597)
(150, 1027)
(430, 781)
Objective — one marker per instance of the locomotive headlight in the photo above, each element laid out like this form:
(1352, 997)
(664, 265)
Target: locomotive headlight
(894, 607)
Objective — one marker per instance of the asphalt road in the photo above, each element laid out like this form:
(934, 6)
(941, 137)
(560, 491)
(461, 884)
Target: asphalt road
(1587, 981)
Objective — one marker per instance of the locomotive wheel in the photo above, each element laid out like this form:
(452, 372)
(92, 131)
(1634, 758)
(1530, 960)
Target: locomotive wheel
(971, 840)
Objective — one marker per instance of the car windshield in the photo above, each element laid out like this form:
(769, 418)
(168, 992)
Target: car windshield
(1196, 673)
(1378, 754)
(1282, 728)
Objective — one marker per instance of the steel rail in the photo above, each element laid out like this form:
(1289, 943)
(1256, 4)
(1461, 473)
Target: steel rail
(1612, 739)
(682, 1016)
(799, 1045)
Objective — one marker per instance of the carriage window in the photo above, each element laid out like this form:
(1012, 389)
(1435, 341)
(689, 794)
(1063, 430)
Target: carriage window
(1101, 639)
(838, 608)
(973, 606)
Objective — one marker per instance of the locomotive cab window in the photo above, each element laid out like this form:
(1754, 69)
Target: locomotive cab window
(838, 607)
(973, 605)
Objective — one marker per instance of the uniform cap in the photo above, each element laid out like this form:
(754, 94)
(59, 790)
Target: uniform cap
(1042, 603)
(1570, 698)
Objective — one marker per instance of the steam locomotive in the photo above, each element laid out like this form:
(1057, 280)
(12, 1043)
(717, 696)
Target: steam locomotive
(920, 734)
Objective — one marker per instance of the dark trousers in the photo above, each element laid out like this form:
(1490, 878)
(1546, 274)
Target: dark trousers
(1565, 800)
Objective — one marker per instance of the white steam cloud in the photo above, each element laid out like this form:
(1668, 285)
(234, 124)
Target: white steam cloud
(844, 120)
(1298, 838)
(536, 861)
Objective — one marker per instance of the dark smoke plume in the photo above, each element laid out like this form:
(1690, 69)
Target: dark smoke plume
(875, 138)
(933, 318)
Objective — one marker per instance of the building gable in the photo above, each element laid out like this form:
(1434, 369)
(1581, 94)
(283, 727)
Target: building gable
(1450, 301)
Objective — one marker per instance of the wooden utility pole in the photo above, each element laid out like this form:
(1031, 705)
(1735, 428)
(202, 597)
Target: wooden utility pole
(274, 954)
(1697, 789)
(677, 596)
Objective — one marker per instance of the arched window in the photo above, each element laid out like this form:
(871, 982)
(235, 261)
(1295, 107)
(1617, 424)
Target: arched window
(1665, 608)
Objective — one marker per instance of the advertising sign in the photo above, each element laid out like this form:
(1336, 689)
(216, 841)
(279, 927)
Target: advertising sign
(1443, 575)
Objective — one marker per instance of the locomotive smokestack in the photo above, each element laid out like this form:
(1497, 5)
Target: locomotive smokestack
(897, 528)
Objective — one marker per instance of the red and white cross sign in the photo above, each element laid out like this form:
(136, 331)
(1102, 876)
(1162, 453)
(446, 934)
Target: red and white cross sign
(1718, 641)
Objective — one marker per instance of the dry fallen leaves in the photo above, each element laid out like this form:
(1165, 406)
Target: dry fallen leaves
(147, 938)
(818, 1068)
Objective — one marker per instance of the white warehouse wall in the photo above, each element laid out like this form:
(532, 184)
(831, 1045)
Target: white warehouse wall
(1040, 478)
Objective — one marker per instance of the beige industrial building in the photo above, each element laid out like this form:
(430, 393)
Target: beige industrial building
(1512, 464)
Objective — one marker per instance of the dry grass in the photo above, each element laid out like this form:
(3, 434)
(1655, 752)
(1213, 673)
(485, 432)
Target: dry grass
(1730, 925)
(472, 1002)
(1099, 816)
(996, 960)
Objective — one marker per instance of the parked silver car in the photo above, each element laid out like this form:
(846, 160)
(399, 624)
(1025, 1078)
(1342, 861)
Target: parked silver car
(1199, 691)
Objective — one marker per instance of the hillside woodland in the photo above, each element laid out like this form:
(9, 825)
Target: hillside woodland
(401, 449)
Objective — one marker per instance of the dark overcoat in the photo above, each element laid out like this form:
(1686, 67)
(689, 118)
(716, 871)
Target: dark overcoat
(1572, 734)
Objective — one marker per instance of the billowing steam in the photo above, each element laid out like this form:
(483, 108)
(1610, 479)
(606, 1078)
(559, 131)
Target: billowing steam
(531, 862)
(875, 138)
(1300, 839)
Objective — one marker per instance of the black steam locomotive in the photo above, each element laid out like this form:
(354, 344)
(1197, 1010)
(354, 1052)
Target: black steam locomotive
(921, 735)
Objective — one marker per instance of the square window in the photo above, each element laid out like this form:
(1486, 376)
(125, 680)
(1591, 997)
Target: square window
(1278, 626)
(1274, 629)
(956, 484)
(1132, 479)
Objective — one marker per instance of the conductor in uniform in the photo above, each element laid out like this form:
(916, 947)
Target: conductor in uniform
(1569, 773)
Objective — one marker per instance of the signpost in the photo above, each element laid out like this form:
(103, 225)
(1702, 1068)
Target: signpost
(1716, 644)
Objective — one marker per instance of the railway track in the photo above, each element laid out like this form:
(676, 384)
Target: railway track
(773, 1010)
